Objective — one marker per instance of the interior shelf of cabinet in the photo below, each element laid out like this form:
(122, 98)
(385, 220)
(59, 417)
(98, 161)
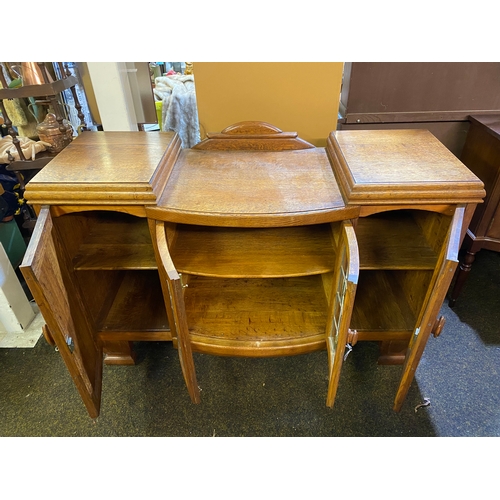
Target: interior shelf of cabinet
(396, 240)
(387, 302)
(253, 252)
(277, 315)
(131, 307)
(116, 241)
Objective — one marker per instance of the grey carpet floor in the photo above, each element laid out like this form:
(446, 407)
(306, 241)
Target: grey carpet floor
(459, 374)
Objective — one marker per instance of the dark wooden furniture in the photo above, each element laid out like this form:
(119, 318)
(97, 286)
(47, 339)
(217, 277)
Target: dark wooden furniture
(436, 96)
(253, 243)
(481, 154)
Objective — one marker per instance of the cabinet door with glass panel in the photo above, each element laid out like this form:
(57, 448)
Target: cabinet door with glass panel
(259, 292)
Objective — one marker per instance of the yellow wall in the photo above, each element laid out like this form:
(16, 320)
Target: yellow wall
(295, 97)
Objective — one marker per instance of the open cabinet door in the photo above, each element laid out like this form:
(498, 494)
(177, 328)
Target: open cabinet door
(176, 310)
(428, 322)
(345, 280)
(48, 273)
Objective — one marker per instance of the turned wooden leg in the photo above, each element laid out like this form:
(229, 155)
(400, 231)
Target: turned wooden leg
(462, 274)
(118, 353)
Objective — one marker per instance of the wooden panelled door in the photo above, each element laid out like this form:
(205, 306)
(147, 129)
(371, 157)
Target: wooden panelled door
(48, 273)
(174, 304)
(345, 280)
(428, 322)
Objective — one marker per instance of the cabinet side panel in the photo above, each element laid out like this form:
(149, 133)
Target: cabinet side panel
(414, 286)
(74, 229)
(434, 226)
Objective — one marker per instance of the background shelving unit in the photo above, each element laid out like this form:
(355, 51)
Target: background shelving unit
(47, 94)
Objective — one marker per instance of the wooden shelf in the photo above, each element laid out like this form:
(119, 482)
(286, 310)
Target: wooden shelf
(393, 240)
(117, 241)
(277, 315)
(46, 89)
(252, 252)
(137, 311)
(381, 308)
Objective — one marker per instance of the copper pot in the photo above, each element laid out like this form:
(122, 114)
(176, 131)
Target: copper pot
(50, 131)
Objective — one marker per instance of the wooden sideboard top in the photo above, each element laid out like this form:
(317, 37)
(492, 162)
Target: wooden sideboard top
(386, 167)
(252, 188)
(107, 168)
(259, 188)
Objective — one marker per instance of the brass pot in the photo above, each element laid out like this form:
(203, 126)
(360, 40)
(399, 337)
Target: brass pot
(49, 131)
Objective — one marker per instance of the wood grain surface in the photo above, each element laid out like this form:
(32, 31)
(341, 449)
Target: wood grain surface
(107, 167)
(253, 252)
(252, 188)
(398, 167)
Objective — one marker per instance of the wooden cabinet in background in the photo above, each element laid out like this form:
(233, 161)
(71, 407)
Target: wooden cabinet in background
(481, 154)
(252, 243)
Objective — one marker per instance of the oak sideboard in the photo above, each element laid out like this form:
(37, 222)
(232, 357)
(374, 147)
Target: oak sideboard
(251, 243)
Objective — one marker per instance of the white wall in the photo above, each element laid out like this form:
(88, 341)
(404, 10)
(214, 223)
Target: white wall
(113, 95)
